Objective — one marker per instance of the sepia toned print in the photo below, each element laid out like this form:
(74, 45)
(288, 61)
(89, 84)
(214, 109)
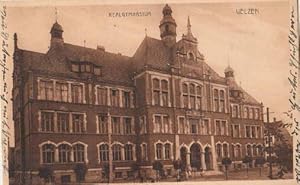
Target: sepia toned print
(151, 93)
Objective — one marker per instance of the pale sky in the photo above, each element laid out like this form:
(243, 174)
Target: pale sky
(256, 46)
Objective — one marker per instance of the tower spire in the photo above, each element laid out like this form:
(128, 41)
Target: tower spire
(56, 14)
(189, 36)
(189, 25)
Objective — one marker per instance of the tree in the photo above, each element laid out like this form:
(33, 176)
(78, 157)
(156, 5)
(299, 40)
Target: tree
(247, 160)
(178, 166)
(80, 170)
(46, 173)
(158, 167)
(260, 161)
(135, 168)
(226, 161)
(284, 153)
(105, 170)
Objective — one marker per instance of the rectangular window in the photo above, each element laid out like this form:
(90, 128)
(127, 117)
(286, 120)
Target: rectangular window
(102, 96)
(248, 132)
(46, 90)
(194, 125)
(185, 101)
(114, 97)
(63, 122)
(235, 111)
(193, 102)
(61, 91)
(166, 122)
(218, 127)
(224, 128)
(205, 127)
(143, 128)
(253, 132)
(126, 99)
(77, 121)
(165, 98)
(158, 124)
(236, 131)
(77, 93)
(127, 126)
(47, 121)
(116, 125)
(102, 121)
(216, 100)
(144, 152)
(181, 125)
(156, 97)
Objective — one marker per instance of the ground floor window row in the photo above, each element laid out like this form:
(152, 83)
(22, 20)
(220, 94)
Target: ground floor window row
(235, 150)
(65, 152)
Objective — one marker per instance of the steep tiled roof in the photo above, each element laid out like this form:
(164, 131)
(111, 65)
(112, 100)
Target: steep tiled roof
(247, 97)
(152, 52)
(115, 67)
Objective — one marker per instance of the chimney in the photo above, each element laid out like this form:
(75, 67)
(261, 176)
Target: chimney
(100, 48)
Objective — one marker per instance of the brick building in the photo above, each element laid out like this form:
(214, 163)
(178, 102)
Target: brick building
(81, 105)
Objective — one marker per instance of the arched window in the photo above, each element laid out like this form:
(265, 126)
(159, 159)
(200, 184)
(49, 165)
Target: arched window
(78, 153)
(238, 151)
(219, 151)
(159, 151)
(116, 150)
(191, 56)
(104, 152)
(225, 150)
(254, 150)
(48, 153)
(128, 152)
(167, 151)
(260, 150)
(144, 153)
(64, 151)
(233, 153)
(249, 153)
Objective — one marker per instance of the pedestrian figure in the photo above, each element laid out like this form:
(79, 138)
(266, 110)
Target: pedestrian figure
(280, 173)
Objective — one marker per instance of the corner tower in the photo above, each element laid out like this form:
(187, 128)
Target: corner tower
(168, 27)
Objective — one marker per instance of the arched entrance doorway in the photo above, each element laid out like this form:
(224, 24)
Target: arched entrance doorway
(195, 156)
(208, 158)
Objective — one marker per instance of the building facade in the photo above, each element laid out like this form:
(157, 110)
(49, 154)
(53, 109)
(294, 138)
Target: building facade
(81, 105)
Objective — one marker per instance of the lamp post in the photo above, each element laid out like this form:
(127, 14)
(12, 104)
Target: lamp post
(269, 144)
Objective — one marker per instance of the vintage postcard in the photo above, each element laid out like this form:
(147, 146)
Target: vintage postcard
(193, 92)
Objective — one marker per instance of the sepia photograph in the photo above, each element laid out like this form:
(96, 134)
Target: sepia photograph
(137, 92)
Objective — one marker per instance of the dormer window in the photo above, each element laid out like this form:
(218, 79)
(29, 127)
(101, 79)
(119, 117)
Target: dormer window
(97, 70)
(75, 67)
(86, 67)
(191, 56)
